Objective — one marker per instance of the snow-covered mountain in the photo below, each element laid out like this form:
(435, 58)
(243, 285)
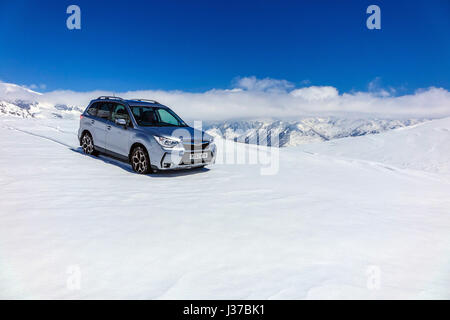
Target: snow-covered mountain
(307, 130)
(18, 101)
(35, 109)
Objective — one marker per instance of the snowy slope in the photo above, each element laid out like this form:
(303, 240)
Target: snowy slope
(426, 147)
(316, 229)
(11, 91)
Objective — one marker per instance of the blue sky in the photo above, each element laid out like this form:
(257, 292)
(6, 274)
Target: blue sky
(199, 45)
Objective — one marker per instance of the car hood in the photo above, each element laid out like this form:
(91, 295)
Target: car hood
(185, 133)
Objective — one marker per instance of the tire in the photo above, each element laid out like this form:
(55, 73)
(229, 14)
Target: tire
(87, 144)
(140, 161)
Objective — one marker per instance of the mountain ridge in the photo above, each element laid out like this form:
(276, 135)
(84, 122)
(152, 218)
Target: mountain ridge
(22, 102)
(301, 131)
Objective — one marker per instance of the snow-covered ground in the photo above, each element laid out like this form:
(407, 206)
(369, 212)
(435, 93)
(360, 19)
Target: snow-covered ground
(365, 217)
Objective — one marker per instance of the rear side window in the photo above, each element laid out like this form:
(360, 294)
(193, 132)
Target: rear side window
(104, 110)
(93, 109)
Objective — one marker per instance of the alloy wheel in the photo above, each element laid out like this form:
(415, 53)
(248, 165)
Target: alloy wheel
(87, 144)
(139, 161)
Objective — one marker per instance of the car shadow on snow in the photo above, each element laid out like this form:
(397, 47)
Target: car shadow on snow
(178, 172)
(127, 167)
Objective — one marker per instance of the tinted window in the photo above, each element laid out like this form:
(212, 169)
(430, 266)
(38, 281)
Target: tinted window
(156, 117)
(93, 109)
(104, 110)
(145, 116)
(120, 112)
(166, 118)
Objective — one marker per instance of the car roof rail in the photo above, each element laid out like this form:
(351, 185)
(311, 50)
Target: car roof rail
(109, 98)
(146, 100)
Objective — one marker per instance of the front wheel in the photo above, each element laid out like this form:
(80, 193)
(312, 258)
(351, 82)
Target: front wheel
(140, 161)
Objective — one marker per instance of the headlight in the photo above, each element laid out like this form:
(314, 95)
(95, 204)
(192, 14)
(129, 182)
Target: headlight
(167, 142)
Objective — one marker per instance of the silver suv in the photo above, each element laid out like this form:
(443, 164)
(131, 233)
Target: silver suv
(144, 133)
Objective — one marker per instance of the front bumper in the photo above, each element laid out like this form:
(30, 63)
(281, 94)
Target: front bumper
(180, 158)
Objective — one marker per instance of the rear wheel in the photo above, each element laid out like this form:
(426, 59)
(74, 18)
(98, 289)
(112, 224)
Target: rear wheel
(140, 161)
(87, 144)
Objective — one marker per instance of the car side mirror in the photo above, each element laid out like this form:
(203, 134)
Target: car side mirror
(121, 122)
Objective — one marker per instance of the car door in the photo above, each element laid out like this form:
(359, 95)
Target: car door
(100, 124)
(118, 136)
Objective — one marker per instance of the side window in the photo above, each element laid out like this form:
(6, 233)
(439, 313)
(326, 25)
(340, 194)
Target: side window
(136, 112)
(144, 116)
(104, 110)
(167, 118)
(93, 109)
(120, 112)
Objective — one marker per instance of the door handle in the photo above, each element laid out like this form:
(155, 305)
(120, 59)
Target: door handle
(108, 127)
(92, 121)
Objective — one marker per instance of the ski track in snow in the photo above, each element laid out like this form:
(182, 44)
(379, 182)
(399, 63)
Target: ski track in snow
(40, 136)
(312, 230)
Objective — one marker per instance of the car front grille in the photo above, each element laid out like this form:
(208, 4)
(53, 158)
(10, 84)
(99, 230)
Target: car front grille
(196, 146)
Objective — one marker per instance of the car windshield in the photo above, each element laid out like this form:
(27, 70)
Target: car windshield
(156, 117)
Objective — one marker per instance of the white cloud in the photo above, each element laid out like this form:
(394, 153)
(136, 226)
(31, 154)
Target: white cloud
(270, 98)
(375, 87)
(34, 86)
(266, 84)
(316, 93)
